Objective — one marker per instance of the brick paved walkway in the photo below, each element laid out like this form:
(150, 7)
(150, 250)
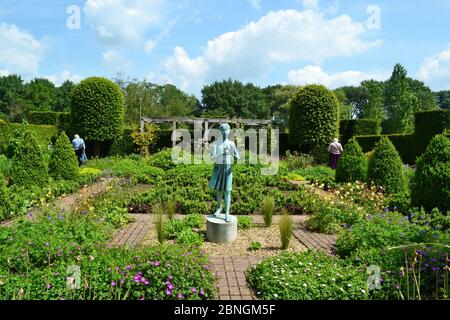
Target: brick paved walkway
(231, 279)
(316, 241)
(133, 234)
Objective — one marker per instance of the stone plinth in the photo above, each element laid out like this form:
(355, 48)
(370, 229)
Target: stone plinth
(220, 231)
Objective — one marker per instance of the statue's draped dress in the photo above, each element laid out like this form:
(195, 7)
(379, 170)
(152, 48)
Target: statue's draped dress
(222, 176)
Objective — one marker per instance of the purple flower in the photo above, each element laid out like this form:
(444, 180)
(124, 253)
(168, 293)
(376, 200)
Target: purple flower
(128, 267)
(59, 253)
(60, 217)
(137, 257)
(170, 287)
(170, 278)
(435, 268)
(201, 293)
(168, 292)
(180, 296)
(156, 263)
(141, 298)
(397, 287)
(49, 286)
(113, 283)
(122, 281)
(84, 213)
(137, 278)
(194, 290)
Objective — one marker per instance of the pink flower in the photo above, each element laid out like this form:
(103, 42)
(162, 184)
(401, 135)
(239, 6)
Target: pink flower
(180, 296)
(49, 286)
(202, 293)
(194, 290)
(170, 287)
(113, 283)
(168, 292)
(170, 278)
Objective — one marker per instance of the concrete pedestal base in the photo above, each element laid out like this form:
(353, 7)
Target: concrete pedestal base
(220, 231)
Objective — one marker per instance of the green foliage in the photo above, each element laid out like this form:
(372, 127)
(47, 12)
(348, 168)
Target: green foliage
(296, 160)
(428, 124)
(28, 166)
(190, 238)
(234, 99)
(159, 223)
(162, 159)
(144, 141)
(321, 175)
(123, 145)
(5, 200)
(374, 109)
(385, 167)
(358, 127)
(431, 186)
(63, 162)
(174, 227)
(244, 222)
(9, 133)
(171, 208)
(286, 228)
(88, 175)
(352, 166)
(314, 118)
(443, 99)
(97, 108)
(254, 246)
(43, 117)
(267, 210)
(379, 231)
(194, 221)
(312, 276)
(41, 94)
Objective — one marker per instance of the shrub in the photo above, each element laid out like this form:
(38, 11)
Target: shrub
(145, 140)
(296, 160)
(244, 222)
(97, 110)
(190, 237)
(159, 224)
(312, 276)
(267, 210)
(174, 227)
(352, 166)
(314, 118)
(431, 186)
(28, 168)
(63, 162)
(286, 227)
(386, 167)
(254, 246)
(193, 220)
(162, 159)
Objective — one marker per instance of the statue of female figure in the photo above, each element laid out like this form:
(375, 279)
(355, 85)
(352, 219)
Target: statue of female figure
(224, 152)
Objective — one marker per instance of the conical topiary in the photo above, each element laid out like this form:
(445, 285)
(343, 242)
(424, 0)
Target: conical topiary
(28, 165)
(431, 182)
(386, 167)
(63, 162)
(352, 166)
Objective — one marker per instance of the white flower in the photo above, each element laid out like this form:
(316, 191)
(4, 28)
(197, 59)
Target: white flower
(275, 295)
(363, 291)
(349, 285)
(305, 285)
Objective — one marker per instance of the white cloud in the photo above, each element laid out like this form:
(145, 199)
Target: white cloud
(310, 4)
(316, 75)
(114, 60)
(123, 21)
(20, 52)
(256, 4)
(64, 76)
(278, 37)
(150, 45)
(435, 71)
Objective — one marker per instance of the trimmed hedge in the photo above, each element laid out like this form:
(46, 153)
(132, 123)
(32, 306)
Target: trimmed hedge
(63, 162)
(59, 119)
(386, 167)
(352, 166)
(97, 110)
(44, 135)
(428, 124)
(431, 183)
(405, 144)
(28, 166)
(358, 127)
(313, 118)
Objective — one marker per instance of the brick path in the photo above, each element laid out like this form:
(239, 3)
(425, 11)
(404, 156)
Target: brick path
(316, 241)
(231, 279)
(133, 234)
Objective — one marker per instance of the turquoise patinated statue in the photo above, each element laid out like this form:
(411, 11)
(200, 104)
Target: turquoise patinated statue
(223, 152)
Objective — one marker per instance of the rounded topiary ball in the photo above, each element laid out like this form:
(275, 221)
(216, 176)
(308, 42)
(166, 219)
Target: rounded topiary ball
(97, 109)
(431, 182)
(63, 162)
(386, 167)
(313, 118)
(352, 166)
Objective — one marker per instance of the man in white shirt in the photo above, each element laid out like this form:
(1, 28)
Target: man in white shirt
(335, 149)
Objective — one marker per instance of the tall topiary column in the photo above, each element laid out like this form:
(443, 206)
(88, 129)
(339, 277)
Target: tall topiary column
(352, 166)
(28, 166)
(431, 183)
(63, 162)
(386, 167)
(97, 110)
(313, 118)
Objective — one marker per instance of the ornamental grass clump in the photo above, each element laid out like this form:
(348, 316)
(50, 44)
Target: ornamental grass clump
(267, 211)
(171, 207)
(160, 223)
(286, 228)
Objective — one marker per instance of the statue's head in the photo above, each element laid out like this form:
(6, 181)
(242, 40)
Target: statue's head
(225, 129)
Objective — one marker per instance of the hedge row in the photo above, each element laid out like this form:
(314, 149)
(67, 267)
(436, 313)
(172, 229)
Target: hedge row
(358, 127)
(44, 134)
(59, 119)
(410, 146)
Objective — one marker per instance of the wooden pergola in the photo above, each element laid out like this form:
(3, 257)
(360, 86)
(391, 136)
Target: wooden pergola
(205, 123)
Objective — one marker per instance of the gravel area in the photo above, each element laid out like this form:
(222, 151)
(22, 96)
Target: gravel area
(268, 237)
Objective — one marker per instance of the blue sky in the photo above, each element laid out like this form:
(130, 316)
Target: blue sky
(193, 42)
